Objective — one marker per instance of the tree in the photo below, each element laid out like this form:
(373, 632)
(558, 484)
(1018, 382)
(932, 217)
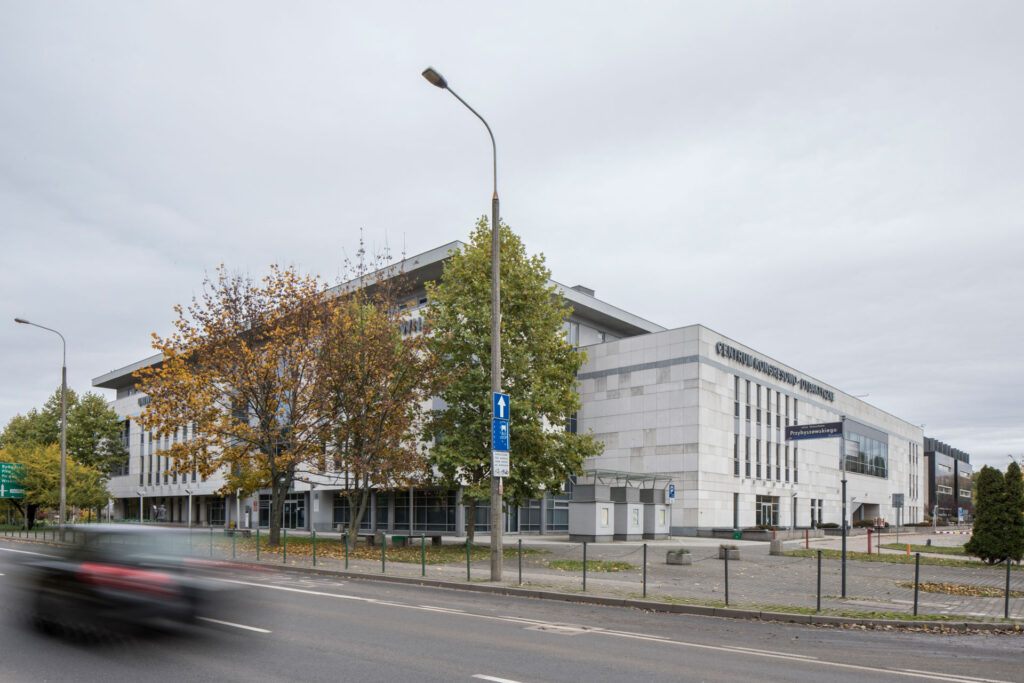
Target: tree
(538, 372)
(38, 426)
(989, 540)
(1015, 512)
(85, 486)
(93, 433)
(241, 367)
(375, 378)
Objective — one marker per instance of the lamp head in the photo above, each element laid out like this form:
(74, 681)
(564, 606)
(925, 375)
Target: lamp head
(23, 322)
(435, 78)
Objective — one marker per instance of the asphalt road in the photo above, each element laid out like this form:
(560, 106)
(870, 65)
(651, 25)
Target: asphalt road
(312, 628)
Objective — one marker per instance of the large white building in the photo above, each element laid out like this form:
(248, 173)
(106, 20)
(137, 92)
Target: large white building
(710, 414)
(686, 407)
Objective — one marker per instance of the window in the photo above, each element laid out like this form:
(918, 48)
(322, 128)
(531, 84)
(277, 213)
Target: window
(757, 454)
(767, 511)
(777, 472)
(736, 455)
(768, 461)
(787, 463)
(748, 456)
(872, 456)
(795, 476)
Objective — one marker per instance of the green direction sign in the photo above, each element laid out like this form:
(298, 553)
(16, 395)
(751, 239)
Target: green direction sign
(10, 480)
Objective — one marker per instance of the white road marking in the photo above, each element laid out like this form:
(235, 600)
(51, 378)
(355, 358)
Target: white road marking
(234, 625)
(805, 659)
(26, 552)
(494, 678)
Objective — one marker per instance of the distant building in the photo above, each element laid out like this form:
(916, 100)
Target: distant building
(950, 489)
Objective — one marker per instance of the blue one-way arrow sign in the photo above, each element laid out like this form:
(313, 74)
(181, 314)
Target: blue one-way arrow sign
(501, 406)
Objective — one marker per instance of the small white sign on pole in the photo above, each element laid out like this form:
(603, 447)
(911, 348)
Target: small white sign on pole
(499, 464)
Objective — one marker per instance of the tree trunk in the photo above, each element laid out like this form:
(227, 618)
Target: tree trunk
(278, 490)
(471, 519)
(357, 508)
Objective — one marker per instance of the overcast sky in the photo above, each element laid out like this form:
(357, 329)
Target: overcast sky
(839, 186)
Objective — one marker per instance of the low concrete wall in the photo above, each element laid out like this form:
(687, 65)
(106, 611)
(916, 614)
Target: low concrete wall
(762, 534)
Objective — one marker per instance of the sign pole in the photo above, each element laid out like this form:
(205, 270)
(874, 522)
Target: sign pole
(842, 456)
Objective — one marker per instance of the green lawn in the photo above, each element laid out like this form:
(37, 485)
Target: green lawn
(936, 549)
(592, 566)
(895, 559)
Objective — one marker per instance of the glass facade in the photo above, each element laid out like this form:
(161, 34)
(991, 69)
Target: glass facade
(872, 456)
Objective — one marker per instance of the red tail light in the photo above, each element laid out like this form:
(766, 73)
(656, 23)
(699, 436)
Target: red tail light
(126, 578)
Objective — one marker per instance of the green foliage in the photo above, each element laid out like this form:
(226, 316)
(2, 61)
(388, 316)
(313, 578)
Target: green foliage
(1015, 511)
(93, 434)
(538, 372)
(993, 538)
(85, 487)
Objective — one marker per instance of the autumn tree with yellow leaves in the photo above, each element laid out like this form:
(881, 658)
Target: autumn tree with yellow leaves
(376, 375)
(243, 368)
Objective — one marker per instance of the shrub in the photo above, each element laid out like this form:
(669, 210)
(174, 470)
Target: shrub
(828, 525)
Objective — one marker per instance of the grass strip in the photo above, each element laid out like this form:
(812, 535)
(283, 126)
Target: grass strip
(935, 549)
(592, 566)
(897, 559)
(962, 589)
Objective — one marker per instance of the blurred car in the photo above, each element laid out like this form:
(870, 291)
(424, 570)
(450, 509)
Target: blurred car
(119, 576)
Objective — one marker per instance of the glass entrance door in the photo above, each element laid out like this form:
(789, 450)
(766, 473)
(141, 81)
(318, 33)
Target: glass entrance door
(294, 515)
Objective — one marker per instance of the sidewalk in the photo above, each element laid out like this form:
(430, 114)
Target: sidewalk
(757, 581)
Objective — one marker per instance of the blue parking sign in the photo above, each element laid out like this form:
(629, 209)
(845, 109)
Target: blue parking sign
(499, 435)
(671, 490)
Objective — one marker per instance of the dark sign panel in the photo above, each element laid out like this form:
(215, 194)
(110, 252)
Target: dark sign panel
(823, 430)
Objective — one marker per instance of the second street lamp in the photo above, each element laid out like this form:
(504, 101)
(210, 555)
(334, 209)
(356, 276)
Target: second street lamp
(496, 489)
(63, 420)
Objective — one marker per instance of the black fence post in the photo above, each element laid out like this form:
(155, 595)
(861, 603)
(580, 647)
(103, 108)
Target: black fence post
(917, 578)
(819, 580)
(584, 566)
(1006, 600)
(645, 570)
(726, 577)
(520, 562)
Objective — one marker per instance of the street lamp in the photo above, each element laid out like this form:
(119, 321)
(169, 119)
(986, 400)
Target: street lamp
(63, 419)
(496, 489)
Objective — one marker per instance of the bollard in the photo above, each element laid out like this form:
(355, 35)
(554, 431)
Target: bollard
(346, 549)
(807, 538)
(726, 578)
(908, 549)
(383, 552)
(423, 554)
(1006, 600)
(819, 580)
(314, 547)
(284, 548)
(211, 541)
(584, 565)
(257, 543)
(917, 577)
(869, 541)
(467, 559)
(645, 570)
(520, 562)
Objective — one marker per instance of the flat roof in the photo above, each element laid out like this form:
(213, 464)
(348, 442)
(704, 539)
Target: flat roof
(429, 267)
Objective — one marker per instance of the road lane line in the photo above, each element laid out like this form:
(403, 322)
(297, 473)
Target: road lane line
(482, 677)
(804, 659)
(234, 625)
(26, 552)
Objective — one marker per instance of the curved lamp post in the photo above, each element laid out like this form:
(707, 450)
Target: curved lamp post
(496, 489)
(63, 419)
